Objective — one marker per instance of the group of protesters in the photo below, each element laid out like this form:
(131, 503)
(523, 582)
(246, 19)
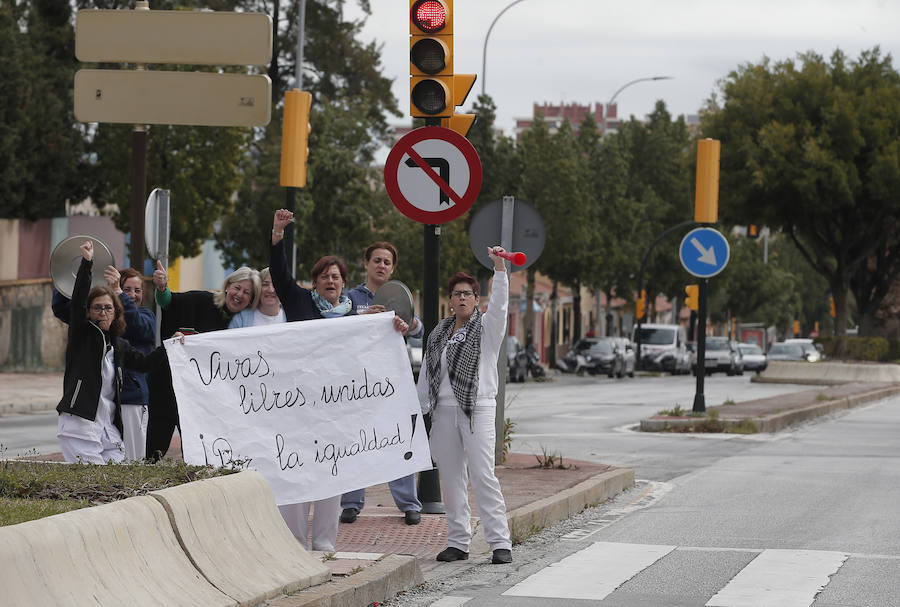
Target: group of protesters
(118, 402)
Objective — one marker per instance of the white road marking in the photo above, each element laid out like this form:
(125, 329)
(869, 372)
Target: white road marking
(592, 573)
(451, 601)
(780, 578)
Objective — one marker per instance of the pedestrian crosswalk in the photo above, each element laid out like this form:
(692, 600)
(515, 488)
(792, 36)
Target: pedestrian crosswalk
(771, 577)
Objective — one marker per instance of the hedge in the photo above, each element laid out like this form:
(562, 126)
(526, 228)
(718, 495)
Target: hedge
(863, 348)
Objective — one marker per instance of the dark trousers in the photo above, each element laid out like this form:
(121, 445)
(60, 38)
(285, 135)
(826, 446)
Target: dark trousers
(162, 413)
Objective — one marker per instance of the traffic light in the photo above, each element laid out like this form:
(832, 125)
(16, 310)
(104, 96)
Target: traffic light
(693, 297)
(431, 58)
(295, 138)
(640, 304)
(461, 123)
(832, 310)
(706, 201)
(796, 328)
(752, 231)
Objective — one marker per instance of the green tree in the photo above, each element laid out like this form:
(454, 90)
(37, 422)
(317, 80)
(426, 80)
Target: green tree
(340, 210)
(812, 147)
(41, 146)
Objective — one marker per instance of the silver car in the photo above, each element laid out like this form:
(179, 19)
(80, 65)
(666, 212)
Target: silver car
(754, 358)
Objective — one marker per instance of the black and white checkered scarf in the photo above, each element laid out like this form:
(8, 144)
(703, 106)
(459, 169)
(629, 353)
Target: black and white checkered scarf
(463, 356)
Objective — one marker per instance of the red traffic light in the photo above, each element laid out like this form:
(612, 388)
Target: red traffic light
(429, 15)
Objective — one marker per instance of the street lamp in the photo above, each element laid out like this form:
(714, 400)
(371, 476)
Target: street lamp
(486, 36)
(622, 88)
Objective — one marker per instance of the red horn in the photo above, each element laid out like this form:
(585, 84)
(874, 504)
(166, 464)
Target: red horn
(517, 257)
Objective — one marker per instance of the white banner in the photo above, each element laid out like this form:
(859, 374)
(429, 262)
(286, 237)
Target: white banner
(319, 407)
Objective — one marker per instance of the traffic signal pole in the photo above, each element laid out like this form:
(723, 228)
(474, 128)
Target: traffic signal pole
(429, 488)
(699, 397)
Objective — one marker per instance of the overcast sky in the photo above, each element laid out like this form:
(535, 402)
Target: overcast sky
(582, 51)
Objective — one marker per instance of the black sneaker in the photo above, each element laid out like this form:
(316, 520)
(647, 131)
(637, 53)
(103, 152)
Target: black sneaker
(349, 515)
(412, 517)
(501, 556)
(452, 554)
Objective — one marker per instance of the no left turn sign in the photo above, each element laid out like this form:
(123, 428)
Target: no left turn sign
(433, 175)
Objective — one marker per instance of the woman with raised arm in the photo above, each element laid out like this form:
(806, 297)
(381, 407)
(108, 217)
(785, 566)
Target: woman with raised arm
(90, 416)
(326, 300)
(458, 387)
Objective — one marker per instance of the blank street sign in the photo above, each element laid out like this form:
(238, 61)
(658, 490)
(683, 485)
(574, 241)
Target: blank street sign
(154, 97)
(187, 37)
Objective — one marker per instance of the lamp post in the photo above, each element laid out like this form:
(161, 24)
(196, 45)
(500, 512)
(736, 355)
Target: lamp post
(622, 88)
(484, 50)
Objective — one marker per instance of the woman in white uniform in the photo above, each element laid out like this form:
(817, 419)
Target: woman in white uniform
(458, 386)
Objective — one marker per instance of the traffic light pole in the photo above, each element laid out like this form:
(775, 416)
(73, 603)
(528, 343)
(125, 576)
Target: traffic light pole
(699, 398)
(429, 489)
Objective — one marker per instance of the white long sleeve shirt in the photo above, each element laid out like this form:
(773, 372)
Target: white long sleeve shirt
(493, 328)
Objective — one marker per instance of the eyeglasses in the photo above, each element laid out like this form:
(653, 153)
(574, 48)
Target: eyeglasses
(102, 309)
(462, 294)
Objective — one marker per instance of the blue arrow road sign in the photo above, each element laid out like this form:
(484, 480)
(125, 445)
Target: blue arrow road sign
(704, 252)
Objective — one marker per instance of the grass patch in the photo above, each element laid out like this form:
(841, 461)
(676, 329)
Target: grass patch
(552, 460)
(14, 510)
(744, 426)
(823, 396)
(675, 411)
(728, 402)
(30, 490)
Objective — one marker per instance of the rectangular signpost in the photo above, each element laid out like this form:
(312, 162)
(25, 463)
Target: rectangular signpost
(141, 97)
(188, 98)
(186, 37)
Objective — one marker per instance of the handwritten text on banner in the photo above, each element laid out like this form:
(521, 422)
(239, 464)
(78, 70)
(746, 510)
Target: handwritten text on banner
(319, 407)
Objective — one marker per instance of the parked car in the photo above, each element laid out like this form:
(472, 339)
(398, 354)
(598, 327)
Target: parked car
(627, 349)
(414, 349)
(663, 348)
(754, 358)
(792, 351)
(595, 355)
(517, 363)
(813, 351)
(722, 354)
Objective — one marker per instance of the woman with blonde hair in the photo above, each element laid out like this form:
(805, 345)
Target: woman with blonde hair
(191, 312)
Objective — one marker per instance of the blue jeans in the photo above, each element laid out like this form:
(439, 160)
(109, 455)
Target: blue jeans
(402, 489)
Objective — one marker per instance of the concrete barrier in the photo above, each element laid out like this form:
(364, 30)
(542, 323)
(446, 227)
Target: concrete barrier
(825, 373)
(232, 532)
(123, 553)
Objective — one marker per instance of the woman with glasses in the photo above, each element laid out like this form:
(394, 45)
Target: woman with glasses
(458, 386)
(90, 416)
(140, 332)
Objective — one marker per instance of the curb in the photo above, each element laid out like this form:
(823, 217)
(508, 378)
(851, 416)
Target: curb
(379, 582)
(774, 422)
(531, 518)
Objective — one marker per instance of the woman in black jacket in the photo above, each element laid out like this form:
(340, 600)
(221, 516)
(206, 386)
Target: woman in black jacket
(90, 419)
(190, 312)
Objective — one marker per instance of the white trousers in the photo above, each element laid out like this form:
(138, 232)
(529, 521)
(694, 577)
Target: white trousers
(324, 522)
(90, 451)
(463, 453)
(134, 431)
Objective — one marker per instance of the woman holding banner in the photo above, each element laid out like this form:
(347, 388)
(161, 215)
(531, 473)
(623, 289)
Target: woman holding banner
(458, 386)
(326, 300)
(191, 312)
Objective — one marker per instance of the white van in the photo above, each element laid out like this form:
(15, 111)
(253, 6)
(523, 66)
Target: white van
(663, 348)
